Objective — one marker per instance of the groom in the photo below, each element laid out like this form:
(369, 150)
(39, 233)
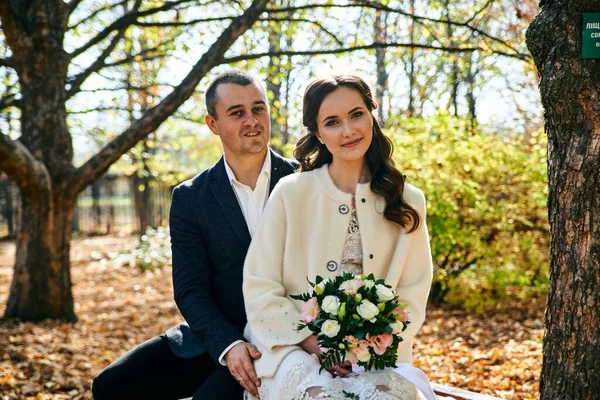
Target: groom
(213, 217)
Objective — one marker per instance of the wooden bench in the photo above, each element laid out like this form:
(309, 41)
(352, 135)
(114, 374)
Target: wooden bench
(459, 394)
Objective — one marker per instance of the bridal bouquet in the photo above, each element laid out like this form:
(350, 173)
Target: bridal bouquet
(355, 318)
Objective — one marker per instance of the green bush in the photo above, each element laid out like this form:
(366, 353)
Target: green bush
(487, 215)
(152, 251)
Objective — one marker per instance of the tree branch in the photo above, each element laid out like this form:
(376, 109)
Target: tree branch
(185, 23)
(124, 22)
(371, 46)
(94, 13)
(30, 175)
(127, 87)
(478, 12)
(308, 21)
(98, 64)
(152, 118)
(141, 57)
(101, 109)
(78, 80)
(379, 6)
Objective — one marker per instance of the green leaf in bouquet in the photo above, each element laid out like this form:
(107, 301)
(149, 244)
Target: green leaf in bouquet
(302, 296)
(360, 334)
(331, 357)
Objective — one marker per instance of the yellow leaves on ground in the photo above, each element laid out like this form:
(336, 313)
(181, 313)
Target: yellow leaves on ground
(120, 307)
(498, 355)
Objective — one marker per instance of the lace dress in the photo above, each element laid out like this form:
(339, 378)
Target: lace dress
(298, 377)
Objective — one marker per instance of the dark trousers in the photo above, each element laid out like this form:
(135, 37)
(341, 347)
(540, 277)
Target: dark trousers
(152, 371)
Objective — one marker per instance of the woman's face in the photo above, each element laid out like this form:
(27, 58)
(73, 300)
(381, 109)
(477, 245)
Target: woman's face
(345, 125)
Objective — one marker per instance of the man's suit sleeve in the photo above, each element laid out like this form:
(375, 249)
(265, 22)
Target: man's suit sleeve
(192, 279)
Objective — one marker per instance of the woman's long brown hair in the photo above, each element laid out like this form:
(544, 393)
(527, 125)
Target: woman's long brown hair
(386, 180)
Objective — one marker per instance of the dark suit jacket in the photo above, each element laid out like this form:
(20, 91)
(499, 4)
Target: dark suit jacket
(209, 240)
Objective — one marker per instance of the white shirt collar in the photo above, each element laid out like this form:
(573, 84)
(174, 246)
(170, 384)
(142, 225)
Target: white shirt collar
(266, 168)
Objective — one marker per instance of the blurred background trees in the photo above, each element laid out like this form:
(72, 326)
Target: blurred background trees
(456, 85)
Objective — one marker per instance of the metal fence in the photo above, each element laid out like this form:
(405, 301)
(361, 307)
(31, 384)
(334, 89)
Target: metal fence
(106, 206)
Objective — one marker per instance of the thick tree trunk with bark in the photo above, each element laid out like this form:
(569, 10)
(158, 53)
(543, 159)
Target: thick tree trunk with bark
(41, 286)
(570, 91)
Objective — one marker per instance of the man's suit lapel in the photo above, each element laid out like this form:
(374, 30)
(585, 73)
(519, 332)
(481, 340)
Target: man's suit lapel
(223, 192)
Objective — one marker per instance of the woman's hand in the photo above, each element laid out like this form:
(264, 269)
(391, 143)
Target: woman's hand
(311, 346)
(340, 370)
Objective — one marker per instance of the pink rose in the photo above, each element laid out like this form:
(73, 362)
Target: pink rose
(380, 343)
(403, 315)
(352, 286)
(310, 310)
(359, 352)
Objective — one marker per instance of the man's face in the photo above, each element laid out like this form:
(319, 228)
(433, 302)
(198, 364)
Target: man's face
(242, 122)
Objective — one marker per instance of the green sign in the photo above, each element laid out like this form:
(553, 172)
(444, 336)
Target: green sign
(590, 47)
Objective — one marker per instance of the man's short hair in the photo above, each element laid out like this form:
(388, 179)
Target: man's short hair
(233, 76)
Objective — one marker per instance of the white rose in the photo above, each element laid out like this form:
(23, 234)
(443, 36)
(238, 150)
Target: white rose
(397, 327)
(331, 305)
(362, 354)
(384, 293)
(367, 310)
(330, 328)
(369, 283)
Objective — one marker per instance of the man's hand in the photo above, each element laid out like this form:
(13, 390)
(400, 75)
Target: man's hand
(239, 361)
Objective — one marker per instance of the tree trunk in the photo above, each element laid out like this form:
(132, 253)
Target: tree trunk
(143, 196)
(382, 75)
(471, 68)
(570, 92)
(274, 83)
(455, 68)
(96, 209)
(41, 286)
(411, 69)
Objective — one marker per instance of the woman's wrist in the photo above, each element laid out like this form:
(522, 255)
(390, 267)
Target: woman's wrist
(311, 345)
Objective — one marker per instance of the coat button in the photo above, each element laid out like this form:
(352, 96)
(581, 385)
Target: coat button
(371, 256)
(364, 200)
(343, 209)
(331, 266)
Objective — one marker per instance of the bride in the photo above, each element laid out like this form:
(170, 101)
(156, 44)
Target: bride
(349, 210)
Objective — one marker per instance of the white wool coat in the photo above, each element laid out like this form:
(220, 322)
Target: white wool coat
(302, 234)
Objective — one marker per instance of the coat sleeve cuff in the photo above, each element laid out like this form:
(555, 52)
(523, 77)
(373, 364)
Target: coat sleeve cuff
(224, 353)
